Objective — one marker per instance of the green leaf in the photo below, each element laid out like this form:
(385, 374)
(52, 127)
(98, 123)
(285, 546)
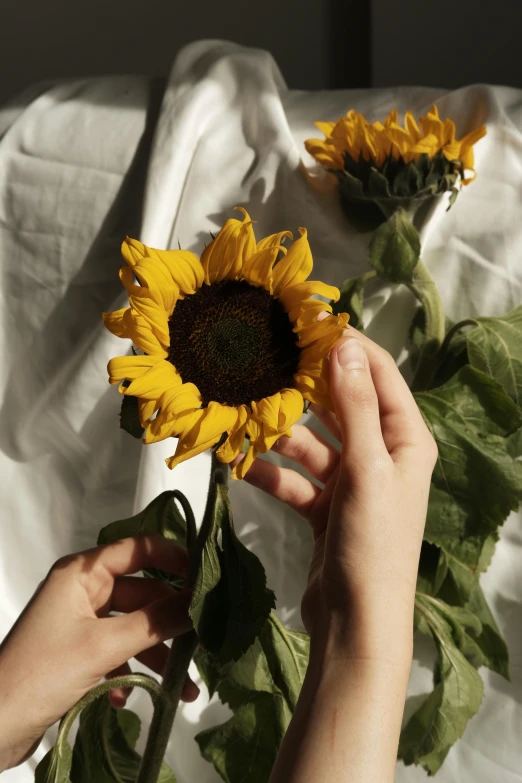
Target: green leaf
(230, 600)
(490, 642)
(287, 652)
(407, 182)
(395, 249)
(495, 347)
(130, 724)
(245, 747)
(433, 569)
(476, 482)
(130, 417)
(351, 299)
(104, 747)
(456, 697)
(351, 302)
(269, 675)
(208, 608)
(55, 765)
(160, 516)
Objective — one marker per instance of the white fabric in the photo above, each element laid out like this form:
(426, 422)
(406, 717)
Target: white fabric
(73, 172)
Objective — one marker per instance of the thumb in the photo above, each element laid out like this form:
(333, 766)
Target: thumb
(354, 399)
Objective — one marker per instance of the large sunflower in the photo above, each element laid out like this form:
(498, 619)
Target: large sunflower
(231, 345)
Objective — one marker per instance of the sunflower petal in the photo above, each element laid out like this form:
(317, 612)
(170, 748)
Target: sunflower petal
(319, 342)
(133, 251)
(146, 409)
(185, 269)
(236, 436)
(293, 296)
(114, 322)
(154, 383)
(225, 255)
(179, 399)
(257, 269)
(154, 315)
(306, 312)
(141, 334)
(240, 470)
(274, 240)
(295, 267)
(129, 368)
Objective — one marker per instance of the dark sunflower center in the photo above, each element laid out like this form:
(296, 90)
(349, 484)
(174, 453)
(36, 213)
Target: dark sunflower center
(234, 341)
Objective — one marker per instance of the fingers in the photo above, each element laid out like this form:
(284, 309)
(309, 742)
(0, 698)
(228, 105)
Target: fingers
(284, 485)
(128, 635)
(129, 555)
(133, 592)
(328, 418)
(402, 425)
(309, 450)
(355, 401)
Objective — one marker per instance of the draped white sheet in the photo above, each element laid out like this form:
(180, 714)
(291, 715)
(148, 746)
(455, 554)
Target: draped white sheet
(77, 167)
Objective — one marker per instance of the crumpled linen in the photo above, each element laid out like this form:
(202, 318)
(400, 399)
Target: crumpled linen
(85, 163)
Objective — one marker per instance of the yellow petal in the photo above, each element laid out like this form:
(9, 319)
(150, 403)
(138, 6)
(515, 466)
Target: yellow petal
(141, 334)
(216, 420)
(225, 255)
(234, 443)
(146, 409)
(207, 430)
(133, 250)
(313, 383)
(172, 427)
(293, 296)
(318, 340)
(244, 466)
(154, 315)
(324, 153)
(154, 302)
(291, 408)
(114, 322)
(306, 312)
(473, 136)
(130, 367)
(266, 411)
(274, 240)
(185, 269)
(257, 269)
(158, 280)
(295, 267)
(278, 412)
(179, 399)
(154, 383)
(325, 127)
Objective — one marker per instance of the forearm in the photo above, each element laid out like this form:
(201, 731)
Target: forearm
(347, 721)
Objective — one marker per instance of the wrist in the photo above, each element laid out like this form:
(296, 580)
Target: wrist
(363, 635)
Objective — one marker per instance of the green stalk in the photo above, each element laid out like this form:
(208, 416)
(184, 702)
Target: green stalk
(424, 288)
(182, 649)
(166, 705)
(126, 681)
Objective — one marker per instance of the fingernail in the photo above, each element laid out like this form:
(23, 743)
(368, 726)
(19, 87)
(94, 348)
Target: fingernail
(351, 354)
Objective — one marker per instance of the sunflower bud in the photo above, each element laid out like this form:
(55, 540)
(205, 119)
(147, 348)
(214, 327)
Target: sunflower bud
(382, 167)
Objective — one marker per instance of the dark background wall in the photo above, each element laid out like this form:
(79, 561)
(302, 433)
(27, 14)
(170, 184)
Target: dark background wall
(317, 43)
(449, 43)
(47, 39)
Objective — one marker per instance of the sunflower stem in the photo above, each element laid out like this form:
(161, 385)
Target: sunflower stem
(424, 288)
(182, 649)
